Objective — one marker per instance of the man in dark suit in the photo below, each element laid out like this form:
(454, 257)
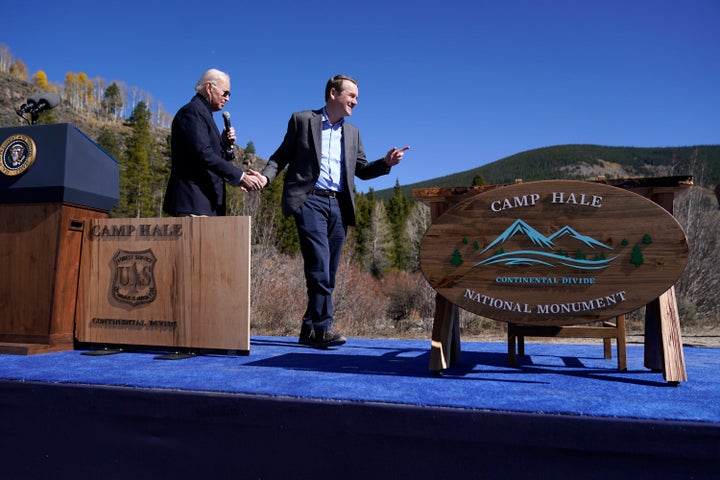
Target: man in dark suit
(323, 155)
(201, 154)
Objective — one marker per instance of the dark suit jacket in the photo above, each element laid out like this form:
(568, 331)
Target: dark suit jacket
(200, 166)
(300, 152)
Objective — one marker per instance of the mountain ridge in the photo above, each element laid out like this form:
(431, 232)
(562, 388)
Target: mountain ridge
(584, 162)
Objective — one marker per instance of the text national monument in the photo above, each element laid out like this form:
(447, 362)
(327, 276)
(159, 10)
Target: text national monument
(554, 253)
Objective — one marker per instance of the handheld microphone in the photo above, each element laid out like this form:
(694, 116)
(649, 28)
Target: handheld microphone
(226, 118)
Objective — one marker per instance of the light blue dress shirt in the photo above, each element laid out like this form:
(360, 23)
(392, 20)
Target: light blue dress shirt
(331, 158)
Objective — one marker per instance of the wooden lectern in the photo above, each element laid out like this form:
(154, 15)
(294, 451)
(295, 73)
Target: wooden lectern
(53, 179)
(182, 283)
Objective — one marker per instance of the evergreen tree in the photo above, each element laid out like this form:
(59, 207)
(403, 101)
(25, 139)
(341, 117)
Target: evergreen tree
(636, 257)
(364, 209)
(287, 236)
(235, 201)
(270, 226)
(248, 156)
(135, 176)
(109, 142)
(478, 180)
(160, 173)
(456, 258)
(398, 208)
(112, 103)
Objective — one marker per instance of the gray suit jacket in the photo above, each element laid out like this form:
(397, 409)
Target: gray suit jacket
(300, 152)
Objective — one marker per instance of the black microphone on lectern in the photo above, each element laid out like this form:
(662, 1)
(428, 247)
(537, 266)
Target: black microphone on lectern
(29, 105)
(39, 102)
(46, 101)
(226, 118)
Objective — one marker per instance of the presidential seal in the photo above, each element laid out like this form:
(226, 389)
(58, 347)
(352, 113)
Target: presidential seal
(18, 154)
(133, 277)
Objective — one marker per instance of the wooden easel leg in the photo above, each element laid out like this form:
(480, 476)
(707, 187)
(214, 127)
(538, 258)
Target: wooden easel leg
(445, 347)
(607, 348)
(674, 358)
(663, 340)
(621, 343)
(652, 337)
(512, 338)
(455, 334)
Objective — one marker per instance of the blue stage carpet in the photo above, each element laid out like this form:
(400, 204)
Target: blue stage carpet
(555, 379)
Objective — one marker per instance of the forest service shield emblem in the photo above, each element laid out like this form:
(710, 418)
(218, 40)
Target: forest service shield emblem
(134, 277)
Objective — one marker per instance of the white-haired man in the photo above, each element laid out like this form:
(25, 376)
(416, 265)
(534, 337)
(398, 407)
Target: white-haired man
(201, 154)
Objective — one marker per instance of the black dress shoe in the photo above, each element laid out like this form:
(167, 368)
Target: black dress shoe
(306, 337)
(328, 339)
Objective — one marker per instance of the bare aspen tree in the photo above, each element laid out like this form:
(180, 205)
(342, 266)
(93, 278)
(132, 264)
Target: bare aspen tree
(417, 224)
(99, 88)
(19, 70)
(698, 286)
(6, 58)
(377, 259)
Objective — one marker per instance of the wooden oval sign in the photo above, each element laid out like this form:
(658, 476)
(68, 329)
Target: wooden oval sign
(554, 252)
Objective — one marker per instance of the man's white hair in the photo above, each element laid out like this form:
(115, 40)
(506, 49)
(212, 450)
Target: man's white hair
(211, 76)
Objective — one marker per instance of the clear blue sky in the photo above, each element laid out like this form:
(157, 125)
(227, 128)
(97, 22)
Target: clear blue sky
(463, 82)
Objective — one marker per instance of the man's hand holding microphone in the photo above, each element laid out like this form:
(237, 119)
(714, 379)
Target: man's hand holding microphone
(251, 180)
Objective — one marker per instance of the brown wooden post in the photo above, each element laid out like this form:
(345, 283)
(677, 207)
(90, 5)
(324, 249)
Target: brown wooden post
(663, 340)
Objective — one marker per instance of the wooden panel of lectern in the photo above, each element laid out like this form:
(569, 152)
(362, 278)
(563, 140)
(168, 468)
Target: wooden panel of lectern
(53, 179)
(182, 283)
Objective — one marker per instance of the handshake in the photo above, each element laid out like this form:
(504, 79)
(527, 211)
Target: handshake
(252, 180)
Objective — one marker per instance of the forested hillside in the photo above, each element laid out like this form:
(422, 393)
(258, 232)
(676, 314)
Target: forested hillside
(581, 162)
(381, 255)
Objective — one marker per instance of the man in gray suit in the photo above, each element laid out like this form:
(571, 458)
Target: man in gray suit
(323, 155)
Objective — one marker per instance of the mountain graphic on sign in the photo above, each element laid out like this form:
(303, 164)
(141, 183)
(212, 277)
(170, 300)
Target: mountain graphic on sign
(519, 227)
(568, 231)
(545, 254)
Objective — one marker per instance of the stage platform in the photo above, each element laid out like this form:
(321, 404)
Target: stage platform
(369, 409)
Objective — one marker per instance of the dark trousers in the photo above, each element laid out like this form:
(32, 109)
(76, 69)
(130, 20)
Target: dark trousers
(321, 232)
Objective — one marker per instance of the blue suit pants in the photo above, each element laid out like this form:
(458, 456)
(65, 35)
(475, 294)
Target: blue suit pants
(321, 231)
